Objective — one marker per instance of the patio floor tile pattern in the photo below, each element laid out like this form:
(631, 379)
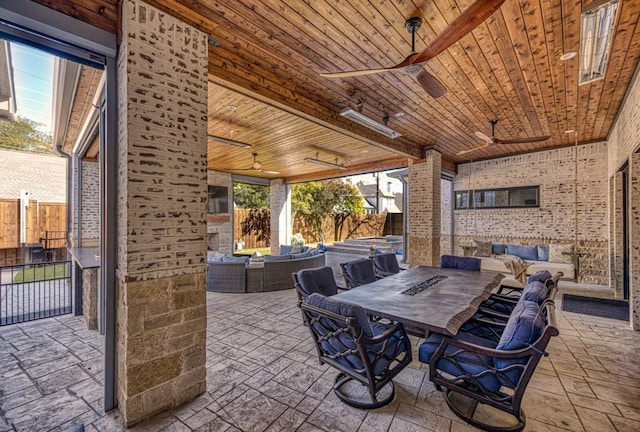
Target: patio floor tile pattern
(263, 375)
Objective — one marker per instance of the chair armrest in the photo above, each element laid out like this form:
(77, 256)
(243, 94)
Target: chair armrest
(479, 349)
(384, 335)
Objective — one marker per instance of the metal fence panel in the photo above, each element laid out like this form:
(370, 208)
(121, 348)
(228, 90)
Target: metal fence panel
(33, 291)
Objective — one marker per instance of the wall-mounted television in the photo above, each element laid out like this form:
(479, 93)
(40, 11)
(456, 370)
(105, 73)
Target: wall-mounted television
(218, 199)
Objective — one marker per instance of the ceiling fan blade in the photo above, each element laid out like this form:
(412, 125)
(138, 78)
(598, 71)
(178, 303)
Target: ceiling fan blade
(430, 84)
(473, 149)
(520, 140)
(361, 72)
(483, 137)
(471, 18)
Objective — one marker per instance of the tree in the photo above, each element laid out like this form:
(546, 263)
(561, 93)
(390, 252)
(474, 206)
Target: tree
(248, 196)
(23, 134)
(328, 198)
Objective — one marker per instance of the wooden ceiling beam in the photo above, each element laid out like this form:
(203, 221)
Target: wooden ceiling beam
(382, 165)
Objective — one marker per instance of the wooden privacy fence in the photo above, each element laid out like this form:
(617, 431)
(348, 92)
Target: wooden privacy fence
(354, 226)
(40, 218)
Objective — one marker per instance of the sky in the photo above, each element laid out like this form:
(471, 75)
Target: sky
(33, 82)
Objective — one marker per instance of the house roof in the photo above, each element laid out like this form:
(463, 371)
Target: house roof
(43, 176)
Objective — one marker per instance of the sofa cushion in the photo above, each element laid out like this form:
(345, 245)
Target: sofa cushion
(214, 259)
(296, 249)
(553, 267)
(558, 253)
(240, 259)
(285, 249)
(306, 254)
(271, 258)
(499, 248)
(483, 248)
(524, 252)
(543, 253)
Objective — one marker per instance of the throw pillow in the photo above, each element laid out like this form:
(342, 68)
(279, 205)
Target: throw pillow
(558, 253)
(499, 248)
(296, 249)
(543, 253)
(483, 248)
(524, 252)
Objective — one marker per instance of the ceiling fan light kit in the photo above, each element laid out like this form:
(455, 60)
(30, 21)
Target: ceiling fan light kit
(228, 141)
(370, 123)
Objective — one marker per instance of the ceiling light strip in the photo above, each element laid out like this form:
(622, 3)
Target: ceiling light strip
(367, 122)
(228, 141)
(324, 163)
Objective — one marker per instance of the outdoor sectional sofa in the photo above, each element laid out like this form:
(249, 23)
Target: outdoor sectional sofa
(239, 275)
(553, 258)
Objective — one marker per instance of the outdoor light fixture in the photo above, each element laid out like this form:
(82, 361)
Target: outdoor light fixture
(228, 141)
(596, 34)
(365, 121)
(324, 163)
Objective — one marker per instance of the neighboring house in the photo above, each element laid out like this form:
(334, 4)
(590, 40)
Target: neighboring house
(384, 194)
(43, 176)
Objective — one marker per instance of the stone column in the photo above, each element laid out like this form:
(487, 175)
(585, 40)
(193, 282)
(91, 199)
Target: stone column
(281, 219)
(162, 197)
(634, 242)
(423, 233)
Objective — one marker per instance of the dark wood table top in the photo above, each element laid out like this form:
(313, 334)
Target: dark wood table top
(442, 300)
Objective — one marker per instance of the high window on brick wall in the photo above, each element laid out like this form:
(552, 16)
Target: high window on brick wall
(515, 197)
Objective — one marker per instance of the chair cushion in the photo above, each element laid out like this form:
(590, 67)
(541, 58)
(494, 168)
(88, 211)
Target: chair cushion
(541, 276)
(524, 252)
(524, 327)
(535, 291)
(387, 262)
(467, 363)
(393, 348)
(318, 280)
(361, 271)
(461, 263)
(342, 308)
(240, 259)
(499, 248)
(543, 253)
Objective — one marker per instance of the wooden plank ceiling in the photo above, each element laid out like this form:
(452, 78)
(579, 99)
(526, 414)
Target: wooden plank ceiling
(271, 52)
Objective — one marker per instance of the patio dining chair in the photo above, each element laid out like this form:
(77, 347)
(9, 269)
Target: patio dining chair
(385, 264)
(460, 263)
(358, 272)
(480, 375)
(367, 355)
(315, 280)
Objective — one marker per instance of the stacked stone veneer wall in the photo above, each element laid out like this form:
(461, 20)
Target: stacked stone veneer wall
(423, 232)
(221, 225)
(623, 146)
(90, 216)
(553, 222)
(162, 198)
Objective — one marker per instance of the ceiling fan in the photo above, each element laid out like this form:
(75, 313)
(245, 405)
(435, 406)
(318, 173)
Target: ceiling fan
(494, 140)
(257, 166)
(472, 17)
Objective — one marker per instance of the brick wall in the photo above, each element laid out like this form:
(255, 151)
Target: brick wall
(90, 203)
(162, 185)
(220, 226)
(553, 222)
(423, 232)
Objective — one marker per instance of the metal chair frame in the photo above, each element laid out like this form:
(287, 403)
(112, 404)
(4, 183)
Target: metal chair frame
(369, 351)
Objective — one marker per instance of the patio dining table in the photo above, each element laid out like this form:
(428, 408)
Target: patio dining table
(428, 298)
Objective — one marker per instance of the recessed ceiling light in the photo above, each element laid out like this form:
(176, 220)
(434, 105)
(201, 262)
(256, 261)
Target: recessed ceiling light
(231, 107)
(568, 131)
(365, 151)
(568, 55)
(399, 114)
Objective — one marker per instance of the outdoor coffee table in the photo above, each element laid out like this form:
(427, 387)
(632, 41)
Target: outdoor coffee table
(429, 298)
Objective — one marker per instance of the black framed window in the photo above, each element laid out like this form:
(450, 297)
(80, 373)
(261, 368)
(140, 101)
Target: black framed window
(515, 197)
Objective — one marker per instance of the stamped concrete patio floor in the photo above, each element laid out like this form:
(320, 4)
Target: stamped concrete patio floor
(263, 375)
